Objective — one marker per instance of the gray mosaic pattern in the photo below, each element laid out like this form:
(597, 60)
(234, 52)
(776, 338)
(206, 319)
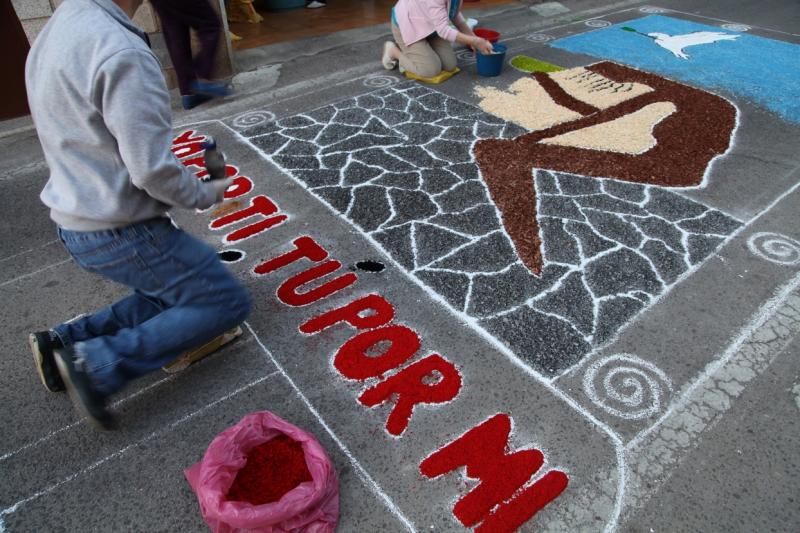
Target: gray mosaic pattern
(398, 163)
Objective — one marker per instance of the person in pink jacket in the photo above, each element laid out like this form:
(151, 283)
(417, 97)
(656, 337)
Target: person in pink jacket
(424, 31)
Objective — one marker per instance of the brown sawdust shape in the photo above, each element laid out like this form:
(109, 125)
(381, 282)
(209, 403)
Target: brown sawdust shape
(687, 141)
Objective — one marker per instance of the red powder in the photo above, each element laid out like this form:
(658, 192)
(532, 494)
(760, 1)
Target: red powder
(272, 469)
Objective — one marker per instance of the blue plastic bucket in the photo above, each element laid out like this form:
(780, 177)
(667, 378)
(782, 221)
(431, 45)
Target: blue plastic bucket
(491, 64)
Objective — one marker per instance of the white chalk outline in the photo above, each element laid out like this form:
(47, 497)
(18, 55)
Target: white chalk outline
(602, 427)
(526, 35)
(630, 365)
(763, 244)
(250, 119)
(547, 383)
(24, 252)
(360, 470)
(745, 225)
(163, 431)
(764, 313)
(40, 440)
(597, 23)
(35, 272)
(587, 336)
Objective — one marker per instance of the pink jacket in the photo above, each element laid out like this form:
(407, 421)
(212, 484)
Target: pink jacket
(419, 18)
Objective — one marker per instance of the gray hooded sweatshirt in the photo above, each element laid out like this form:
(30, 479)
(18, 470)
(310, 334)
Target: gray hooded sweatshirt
(102, 112)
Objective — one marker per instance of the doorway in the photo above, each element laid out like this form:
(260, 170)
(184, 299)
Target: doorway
(15, 47)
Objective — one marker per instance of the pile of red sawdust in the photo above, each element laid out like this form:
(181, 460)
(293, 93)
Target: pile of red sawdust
(272, 469)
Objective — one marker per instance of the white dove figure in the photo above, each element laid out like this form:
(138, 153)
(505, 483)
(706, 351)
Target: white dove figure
(676, 43)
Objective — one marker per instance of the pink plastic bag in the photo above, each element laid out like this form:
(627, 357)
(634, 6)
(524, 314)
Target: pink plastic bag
(312, 506)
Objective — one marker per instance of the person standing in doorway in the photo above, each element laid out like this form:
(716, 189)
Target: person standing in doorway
(194, 73)
(101, 108)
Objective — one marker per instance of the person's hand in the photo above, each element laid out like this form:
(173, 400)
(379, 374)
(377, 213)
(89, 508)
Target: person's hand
(482, 45)
(220, 186)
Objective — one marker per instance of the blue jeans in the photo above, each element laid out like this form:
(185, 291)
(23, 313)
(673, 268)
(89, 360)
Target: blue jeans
(182, 297)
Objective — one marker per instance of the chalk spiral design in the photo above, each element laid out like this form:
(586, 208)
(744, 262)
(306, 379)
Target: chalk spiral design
(626, 386)
(465, 55)
(253, 118)
(736, 27)
(775, 247)
(597, 23)
(378, 82)
(651, 9)
(539, 38)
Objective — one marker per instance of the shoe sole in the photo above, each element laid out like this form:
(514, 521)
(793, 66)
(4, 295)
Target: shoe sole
(76, 398)
(38, 360)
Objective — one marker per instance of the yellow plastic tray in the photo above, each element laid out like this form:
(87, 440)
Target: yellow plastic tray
(435, 80)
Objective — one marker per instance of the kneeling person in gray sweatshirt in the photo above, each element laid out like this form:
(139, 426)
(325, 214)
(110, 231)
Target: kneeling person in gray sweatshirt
(101, 108)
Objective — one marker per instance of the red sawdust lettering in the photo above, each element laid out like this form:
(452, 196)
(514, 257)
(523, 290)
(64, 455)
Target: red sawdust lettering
(504, 499)
(511, 515)
(185, 150)
(409, 386)
(187, 137)
(482, 450)
(240, 186)
(199, 162)
(381, 312)
(287, 292)
(354, 362)
(259, 205)
(255, 229)
(305, 247)
(230, 171)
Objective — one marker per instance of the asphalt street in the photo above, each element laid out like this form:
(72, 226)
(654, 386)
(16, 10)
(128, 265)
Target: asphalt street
(629, 308)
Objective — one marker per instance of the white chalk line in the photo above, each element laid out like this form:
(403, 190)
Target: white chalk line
(730, 22)
(666, 13)
(45, 245)
(121, 401)
(302, 85)
(677, 282)
(765, 312)
(271, 103)
(657, 455)
(52, 434)
(47, 490)
(774, 247)
(16, 255)
(360, 470)
(524, 34)
(35, 272)
(472, 323)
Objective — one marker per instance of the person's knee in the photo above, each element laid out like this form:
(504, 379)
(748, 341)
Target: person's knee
(449, 62)
(429, 69)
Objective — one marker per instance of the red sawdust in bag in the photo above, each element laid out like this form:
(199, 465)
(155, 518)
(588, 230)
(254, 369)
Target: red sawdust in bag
(272, 469)
(284, 480)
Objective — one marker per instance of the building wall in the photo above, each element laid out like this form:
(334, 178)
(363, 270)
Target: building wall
(34, 14)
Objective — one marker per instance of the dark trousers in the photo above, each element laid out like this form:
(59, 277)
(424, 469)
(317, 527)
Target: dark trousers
(177, 17)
